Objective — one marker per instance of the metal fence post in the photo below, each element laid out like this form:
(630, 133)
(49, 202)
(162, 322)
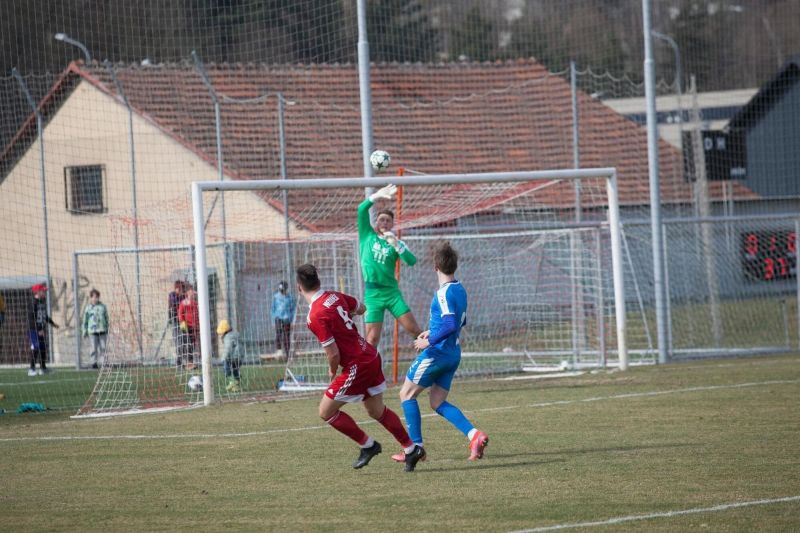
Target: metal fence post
(797, 279)
(40, 134)
(220, 173)
(284, 192)
(77, 305)
(576, 240)
(134, 208)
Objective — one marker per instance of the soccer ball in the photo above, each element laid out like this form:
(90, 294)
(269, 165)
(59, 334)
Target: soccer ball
(195, 383)
(380, 160)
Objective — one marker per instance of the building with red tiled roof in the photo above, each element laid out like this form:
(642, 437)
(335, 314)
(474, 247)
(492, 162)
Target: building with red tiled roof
(432, 118)
(444, 118)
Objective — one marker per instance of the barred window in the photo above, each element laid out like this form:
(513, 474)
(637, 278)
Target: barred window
(85, 188)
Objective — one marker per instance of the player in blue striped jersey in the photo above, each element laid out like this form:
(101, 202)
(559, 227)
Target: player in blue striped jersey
(439, 360)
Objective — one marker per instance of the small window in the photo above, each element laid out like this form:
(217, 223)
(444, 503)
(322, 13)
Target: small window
(85, 189)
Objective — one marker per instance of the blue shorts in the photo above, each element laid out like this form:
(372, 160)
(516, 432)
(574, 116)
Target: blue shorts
(433, 368)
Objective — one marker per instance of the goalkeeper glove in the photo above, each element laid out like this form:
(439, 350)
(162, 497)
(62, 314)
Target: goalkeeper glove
(184, 326)
(386, 193)
(394, 242)
(390, 238)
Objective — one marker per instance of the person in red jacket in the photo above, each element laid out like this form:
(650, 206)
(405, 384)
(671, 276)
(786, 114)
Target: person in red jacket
(189, 319)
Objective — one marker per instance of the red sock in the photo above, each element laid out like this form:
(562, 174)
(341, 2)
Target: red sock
(391, 422)
(343, 423)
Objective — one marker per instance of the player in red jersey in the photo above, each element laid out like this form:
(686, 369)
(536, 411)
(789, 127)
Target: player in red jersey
(361, 380)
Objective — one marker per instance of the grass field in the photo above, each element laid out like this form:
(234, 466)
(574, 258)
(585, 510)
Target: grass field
(68, 389)
(682, 444)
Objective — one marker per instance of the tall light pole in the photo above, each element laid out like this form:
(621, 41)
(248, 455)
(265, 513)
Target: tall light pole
(655, 183)
(365, 91)
(64, 38)
(679, 95)
(40, 134)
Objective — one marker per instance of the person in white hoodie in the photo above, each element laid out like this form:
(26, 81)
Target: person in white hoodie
(95, 326)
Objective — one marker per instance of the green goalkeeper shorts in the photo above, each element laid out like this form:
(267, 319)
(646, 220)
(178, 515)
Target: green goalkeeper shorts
(380, 300)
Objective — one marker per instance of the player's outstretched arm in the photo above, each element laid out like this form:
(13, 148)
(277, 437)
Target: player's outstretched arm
(364, 224)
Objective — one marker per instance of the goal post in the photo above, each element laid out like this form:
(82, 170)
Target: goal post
(480, 183)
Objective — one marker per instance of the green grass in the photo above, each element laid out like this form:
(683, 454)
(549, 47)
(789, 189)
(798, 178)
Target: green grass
(755, 322)
(561, 451)
(62, 389)
(68, 389)
(745, 323)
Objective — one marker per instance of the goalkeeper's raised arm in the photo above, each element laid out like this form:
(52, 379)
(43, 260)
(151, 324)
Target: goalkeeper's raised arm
(379, 250)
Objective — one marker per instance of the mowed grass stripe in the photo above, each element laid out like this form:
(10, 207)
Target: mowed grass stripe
(428, 415)
(568, 463)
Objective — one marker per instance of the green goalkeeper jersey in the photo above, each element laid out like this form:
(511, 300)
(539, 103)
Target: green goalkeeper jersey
(378, 257)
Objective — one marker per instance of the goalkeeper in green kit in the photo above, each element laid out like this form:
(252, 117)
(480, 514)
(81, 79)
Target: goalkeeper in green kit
(379, 250)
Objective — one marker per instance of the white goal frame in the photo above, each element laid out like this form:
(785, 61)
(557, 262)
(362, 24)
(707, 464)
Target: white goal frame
(199, 187)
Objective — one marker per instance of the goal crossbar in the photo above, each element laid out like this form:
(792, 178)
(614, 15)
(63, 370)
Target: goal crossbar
(199, 187)
(423, 179)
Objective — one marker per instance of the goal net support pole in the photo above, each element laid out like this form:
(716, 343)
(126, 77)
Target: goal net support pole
(609, 174)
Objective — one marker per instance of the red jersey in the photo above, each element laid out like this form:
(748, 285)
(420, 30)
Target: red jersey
(329, 319)
(189, 312)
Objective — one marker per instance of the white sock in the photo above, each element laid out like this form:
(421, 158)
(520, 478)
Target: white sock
(471, 433)
(411, 448)
(369, 443)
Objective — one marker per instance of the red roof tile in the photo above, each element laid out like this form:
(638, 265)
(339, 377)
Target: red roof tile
(438, 119)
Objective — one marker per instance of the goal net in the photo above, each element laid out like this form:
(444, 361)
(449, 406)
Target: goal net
(544, 286)
(541, 255)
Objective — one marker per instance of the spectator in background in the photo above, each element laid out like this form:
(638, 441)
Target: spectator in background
(230, 355)
(283, 307)
(189, 317)
(175, 299)
(95, 326)
(38, 319)
(2, 310)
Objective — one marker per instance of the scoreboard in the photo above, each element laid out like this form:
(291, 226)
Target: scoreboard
(725, 155)
(769, 255)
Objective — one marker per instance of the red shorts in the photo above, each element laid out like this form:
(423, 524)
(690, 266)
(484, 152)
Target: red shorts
(358, 382)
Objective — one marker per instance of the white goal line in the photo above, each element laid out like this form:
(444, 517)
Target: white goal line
(665, 514)
(539, 405)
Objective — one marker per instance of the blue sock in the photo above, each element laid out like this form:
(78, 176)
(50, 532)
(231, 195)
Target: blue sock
(413, 420)
(454, 415)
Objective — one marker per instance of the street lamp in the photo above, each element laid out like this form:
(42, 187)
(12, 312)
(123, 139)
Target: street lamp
(67, 39)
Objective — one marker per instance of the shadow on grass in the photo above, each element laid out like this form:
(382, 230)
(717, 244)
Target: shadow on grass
(580, 451)
(551, 384)
(491, 464)
(485, 465)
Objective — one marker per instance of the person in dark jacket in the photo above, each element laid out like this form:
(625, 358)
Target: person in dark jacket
(38, 319)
